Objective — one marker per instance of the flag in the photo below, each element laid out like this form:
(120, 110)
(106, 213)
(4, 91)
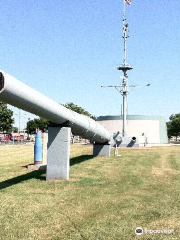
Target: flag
(128, 2)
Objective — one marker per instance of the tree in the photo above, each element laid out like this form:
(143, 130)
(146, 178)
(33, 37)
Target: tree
(39, 123)
(173, 116)
(15, 129)
(173, 126)
(6, 118)
(78, 109)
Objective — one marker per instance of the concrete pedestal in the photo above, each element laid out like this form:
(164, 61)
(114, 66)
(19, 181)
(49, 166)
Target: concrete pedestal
(58, 153)
(101, 150)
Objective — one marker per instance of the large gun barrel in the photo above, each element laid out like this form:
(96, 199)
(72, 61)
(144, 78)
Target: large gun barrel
(22, 96)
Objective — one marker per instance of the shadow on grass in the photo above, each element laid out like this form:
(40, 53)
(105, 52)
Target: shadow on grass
(10, 182)
(38, 174)
(80, 159)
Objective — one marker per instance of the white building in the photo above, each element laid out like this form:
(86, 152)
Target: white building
(153, 127)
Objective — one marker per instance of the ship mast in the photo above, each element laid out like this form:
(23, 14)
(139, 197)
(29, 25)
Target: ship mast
(124, 68)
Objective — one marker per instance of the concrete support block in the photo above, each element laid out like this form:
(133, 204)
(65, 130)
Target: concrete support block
(101, 150)
(38, 167)
(58, 153)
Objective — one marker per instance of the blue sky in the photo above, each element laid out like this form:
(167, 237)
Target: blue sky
(67, 49)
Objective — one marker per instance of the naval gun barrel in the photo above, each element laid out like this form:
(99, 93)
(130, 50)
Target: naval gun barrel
(20, 95)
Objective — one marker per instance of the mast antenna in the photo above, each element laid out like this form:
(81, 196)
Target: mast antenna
(124, 68)
(123, 87)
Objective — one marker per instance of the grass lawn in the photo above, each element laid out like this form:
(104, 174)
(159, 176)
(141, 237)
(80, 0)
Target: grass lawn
(106, 198)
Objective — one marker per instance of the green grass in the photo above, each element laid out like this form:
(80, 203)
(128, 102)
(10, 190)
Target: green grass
(106, 198)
